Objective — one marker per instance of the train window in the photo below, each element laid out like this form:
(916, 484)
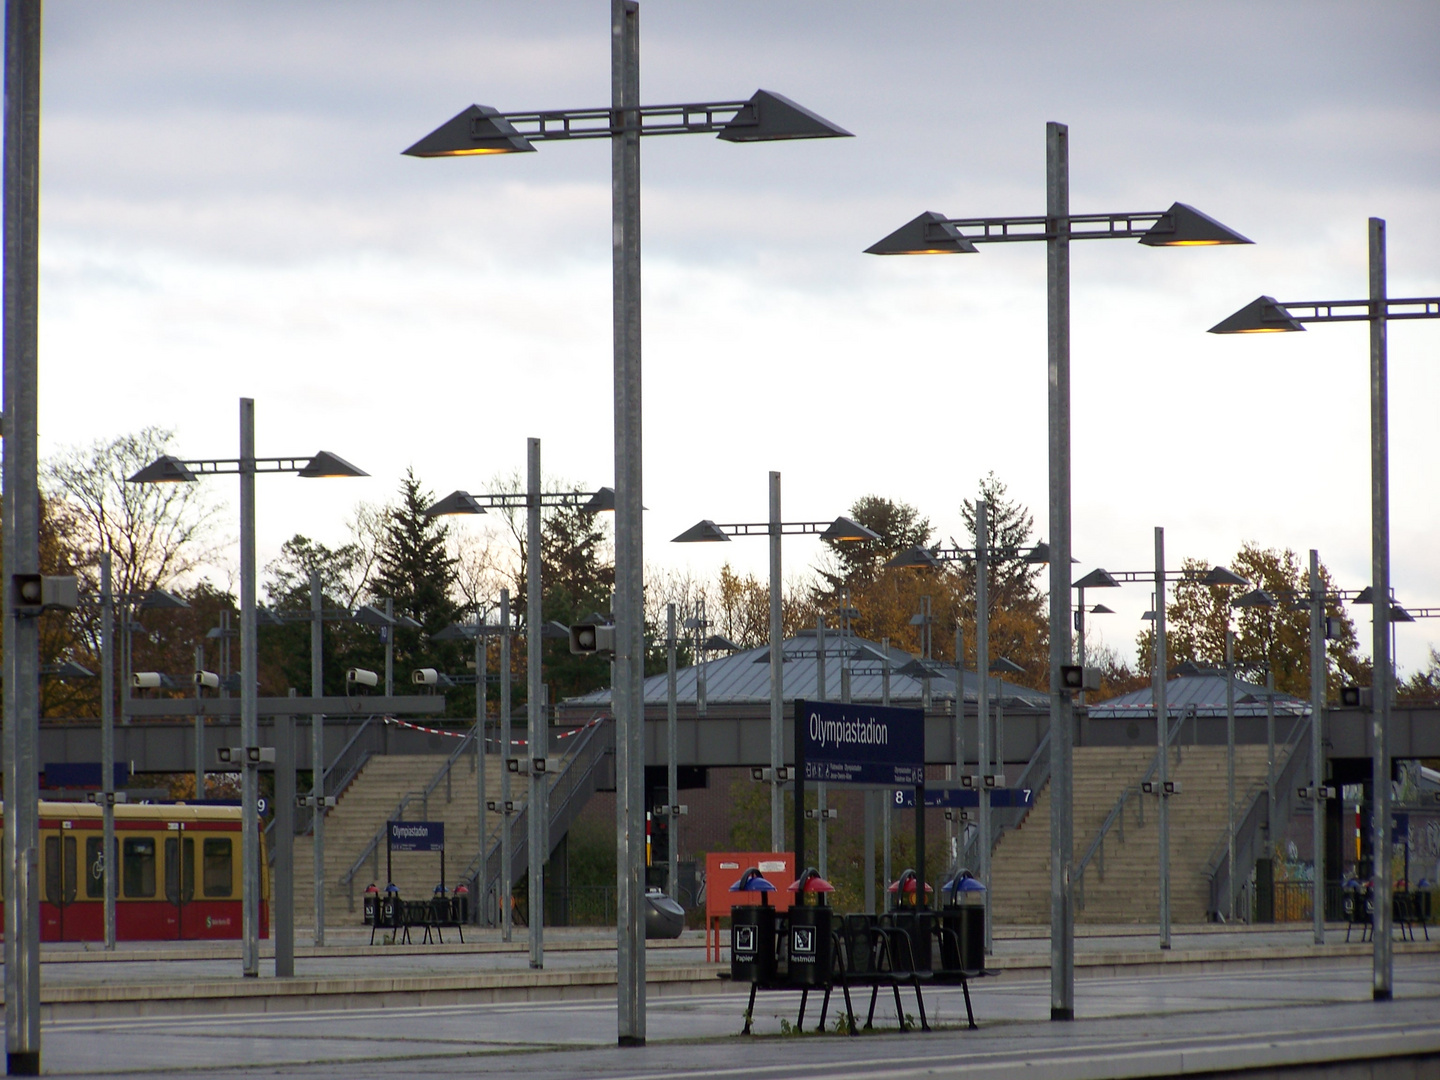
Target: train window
(60, 874)
(95, 866)
(138, 871)
(219, 871)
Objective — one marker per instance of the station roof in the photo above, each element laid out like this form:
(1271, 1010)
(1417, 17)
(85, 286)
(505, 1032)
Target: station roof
(1204, 695)
(744, 677)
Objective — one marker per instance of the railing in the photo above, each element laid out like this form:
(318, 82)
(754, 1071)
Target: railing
(1252, 824)
(1116, 817)
(346, 766)
(372, 849)
(1005, 818)
(574, 783)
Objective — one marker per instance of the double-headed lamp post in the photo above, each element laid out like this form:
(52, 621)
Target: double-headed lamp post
(707, 531)
(1159, 578)
(1267, 315)
(481, 130)
(931, 233)
(169, 469)
(533, 499)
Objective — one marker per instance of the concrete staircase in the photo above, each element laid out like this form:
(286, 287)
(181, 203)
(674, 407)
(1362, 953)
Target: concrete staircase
(369, 802)
(1129, 892)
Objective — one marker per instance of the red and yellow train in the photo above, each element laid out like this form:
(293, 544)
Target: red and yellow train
(179, 873)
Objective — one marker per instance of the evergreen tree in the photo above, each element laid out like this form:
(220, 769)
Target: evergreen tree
(417, 572)
(858, 563)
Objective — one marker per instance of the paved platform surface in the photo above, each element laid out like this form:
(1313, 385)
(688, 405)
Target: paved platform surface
(1168, 1023)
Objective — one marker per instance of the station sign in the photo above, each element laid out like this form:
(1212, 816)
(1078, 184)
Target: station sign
(966, 798)
(842, 743)
(417, 836)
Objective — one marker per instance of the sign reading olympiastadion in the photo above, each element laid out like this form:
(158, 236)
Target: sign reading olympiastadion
(860, 744)
(417, 836)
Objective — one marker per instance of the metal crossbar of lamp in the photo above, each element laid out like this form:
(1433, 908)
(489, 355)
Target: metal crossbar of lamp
(481, 130)
(533, 500)
(1267, 315)
(707, 531)
(170, 469)
(931, 233)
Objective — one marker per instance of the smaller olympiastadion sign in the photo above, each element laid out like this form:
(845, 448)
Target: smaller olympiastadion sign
(838, 743)
(417, 836)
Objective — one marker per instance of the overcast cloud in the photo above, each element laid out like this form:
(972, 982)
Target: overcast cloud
(225, 211)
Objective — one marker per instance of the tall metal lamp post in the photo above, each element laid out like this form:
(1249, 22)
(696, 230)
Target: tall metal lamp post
(931, 233)
(479, 130)
(707, 531)
(533, 499)
(1267, 315)
(168, 469)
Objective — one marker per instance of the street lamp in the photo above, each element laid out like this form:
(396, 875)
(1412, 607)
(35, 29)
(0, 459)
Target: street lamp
(1104, 579)
(1267, 315)
(168, 469)
(1179, 226)
(765, 117)
(462, 502)
(707, 531)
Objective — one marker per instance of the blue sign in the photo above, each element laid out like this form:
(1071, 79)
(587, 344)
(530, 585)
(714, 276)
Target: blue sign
(417, 836)
(968, 798)
(860, 744)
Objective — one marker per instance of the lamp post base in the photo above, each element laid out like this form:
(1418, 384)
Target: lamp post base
(1061, 1014)
(625, 1040)
(1381, 995)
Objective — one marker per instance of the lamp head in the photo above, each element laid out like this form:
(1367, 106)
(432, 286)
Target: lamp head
(164, 470)
(1220, 575)
(1263, 315)
(326, 464)
(1097, 579)
(915, 556)
(457, 502)
(1256, 598)
(702, 532)
(842, 528)
(478, 130)
(772, 117)
(1184, 226)
(928, 234)
(601, 502)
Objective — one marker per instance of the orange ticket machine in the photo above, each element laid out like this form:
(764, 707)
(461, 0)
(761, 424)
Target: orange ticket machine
(724, 869)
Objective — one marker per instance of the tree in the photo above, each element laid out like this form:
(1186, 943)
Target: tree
(1278, 638)
(857, 563)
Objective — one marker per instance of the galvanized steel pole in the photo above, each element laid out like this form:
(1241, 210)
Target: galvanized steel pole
(982, 710)
(672, 753)
(21, 529)
(1162, 738)
(629, 691)
(507, 887)
(1383, 675)
(889, 795)
(1057, 279)
(777, 676)
(1317, 743)
(959, 735)
(199, 727)
(108, 858)
(317, 746)
(822, 847)
(537, 740)
(1230, 769)
(284, 872)
(249, 724)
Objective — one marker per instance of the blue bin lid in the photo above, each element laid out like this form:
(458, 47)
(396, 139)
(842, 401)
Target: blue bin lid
(752, 881)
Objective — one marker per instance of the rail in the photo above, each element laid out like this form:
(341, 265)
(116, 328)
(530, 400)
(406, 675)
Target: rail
(347, 880)
(1251, 826)
(1005, 818)
(1116, 817)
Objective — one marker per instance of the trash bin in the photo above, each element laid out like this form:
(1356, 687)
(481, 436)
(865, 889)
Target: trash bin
(664, 918)
(752, 932)
(392, 908)
(440, 906)
(810, 926)
(371, 903)
(964, 917)
(460, 904)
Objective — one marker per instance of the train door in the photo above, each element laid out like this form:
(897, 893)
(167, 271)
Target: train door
(94, 872)
(61, 883)
(179, 877)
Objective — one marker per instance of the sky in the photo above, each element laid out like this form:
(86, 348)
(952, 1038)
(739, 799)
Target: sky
(225, 212)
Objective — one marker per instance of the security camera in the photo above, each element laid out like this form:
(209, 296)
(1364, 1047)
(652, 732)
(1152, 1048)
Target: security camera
(207, 678)
(425, 676)
(359, 676)
(145, 680)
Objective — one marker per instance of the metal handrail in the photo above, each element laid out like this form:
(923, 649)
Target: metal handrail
(1117, 815)
(1035, 775)
(347, 880)
(1247, 830)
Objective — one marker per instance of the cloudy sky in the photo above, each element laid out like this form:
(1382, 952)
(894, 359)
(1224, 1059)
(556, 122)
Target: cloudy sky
(226, 212)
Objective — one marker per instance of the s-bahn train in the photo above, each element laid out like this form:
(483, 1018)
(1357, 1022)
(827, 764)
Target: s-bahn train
(179, 873)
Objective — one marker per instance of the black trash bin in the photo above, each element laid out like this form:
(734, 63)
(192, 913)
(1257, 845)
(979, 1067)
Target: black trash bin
(810, 925)
(963, 946)
(460, 904)
(371, 904)
(392, 908)
(752, 932)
